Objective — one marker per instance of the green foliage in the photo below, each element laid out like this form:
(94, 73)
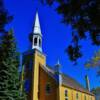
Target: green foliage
(9, 61)
(83, 15)
(5, 18)
(9, 76)
(94, 62)
(96, 90)
(74, 49)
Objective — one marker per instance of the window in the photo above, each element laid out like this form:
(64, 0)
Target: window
(39, 42)
(35, 41)
(90, 98)
(77, 96)
(66, 95)
(66, 98)
(85, 97)
(48, 88)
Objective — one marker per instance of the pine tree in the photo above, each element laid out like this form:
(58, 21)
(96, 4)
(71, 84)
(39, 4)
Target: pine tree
(9, 76)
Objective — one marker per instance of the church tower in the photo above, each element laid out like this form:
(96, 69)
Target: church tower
(32, 59)
(37, 36)
(38, 58)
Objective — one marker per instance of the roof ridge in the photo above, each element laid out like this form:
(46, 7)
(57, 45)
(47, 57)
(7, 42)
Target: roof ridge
(66, 75)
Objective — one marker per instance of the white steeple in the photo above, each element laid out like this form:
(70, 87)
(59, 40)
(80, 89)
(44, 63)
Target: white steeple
(37, 29)
(37, 36)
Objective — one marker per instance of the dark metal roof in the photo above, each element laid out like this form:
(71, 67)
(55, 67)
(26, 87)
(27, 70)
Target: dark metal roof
(67, 81)
(71, 83)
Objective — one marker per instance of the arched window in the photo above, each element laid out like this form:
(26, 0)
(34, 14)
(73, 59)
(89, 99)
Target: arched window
(48, 88)
(39, 42)
(66, 95)
(77, 96)
(35, 41)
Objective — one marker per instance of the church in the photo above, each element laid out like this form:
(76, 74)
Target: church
(41, 82)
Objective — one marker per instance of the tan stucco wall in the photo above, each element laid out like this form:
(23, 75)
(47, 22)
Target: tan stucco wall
(39, 58)
(72, 94)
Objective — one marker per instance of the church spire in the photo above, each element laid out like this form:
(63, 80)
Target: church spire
(37, 29)
(37, 36)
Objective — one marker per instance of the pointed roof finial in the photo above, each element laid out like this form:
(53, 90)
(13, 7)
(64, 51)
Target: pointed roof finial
(58, 63)
(37, 29)
(58, 67)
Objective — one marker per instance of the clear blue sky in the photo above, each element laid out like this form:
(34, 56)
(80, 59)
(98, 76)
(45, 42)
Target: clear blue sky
(56, 37)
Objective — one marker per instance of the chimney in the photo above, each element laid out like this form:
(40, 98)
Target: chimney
(87, 82)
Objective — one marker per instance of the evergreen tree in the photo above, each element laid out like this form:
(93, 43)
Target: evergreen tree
(9, 61)
(9, 76)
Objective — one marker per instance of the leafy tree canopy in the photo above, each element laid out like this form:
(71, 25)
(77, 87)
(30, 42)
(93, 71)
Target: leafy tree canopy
(5, 18)
(96, 90)
(84, 16)
(94, 62)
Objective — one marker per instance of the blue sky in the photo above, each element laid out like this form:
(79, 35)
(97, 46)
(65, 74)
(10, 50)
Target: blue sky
(56, 37)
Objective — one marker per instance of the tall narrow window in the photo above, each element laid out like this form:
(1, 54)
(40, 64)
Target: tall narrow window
(66, 95)
(39, 42)
(48, 88)
(90, 98)
(84, 97)
(35, 41)
(77, 96)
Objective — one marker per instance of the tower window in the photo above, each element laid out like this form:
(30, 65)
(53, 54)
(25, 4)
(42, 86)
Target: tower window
(39, 42)
(35, 41)
(48, 88)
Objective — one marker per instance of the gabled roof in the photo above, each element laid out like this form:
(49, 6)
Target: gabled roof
(67, 81)
(48, 70)
(72, 83)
